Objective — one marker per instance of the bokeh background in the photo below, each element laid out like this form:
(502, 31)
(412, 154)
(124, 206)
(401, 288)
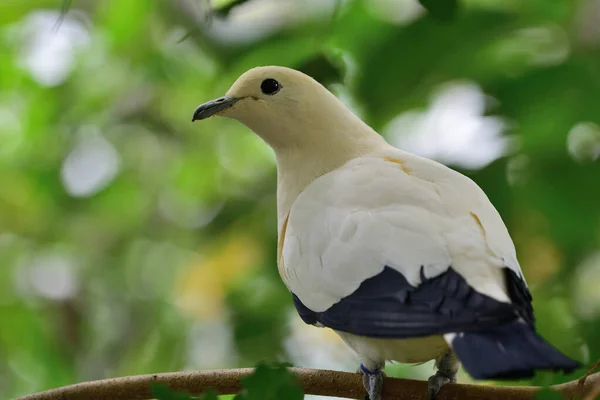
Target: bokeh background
(133, 241)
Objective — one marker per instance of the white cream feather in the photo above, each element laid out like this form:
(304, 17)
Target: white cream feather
(349, 204)
(350, 223)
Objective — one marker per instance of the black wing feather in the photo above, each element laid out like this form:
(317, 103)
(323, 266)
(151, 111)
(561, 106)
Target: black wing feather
(387, 306)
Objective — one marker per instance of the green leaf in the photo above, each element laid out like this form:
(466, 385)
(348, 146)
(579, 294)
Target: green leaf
(210, 394)
(161, 391)
(548, 394)
(444, 10)
(271, 382)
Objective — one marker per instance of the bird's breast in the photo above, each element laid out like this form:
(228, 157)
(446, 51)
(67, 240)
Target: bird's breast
(415, 350)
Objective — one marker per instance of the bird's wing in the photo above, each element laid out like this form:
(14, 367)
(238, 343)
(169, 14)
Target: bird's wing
(399, 247)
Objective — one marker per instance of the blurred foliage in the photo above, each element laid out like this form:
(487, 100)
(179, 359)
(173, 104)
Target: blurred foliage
(443, 10)
(132, 241)
(548, 394)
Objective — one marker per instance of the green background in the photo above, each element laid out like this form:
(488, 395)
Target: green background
(133, 241)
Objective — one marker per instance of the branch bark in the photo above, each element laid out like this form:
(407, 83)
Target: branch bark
(314, 381)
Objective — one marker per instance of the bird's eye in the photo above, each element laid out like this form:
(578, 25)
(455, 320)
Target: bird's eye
(270, 86)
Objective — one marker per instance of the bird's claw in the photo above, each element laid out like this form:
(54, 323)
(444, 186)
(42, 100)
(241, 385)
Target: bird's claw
(373, 382)
(435, 383)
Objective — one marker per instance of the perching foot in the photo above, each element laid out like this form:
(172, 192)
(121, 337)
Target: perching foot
(372, 381)
(435, 383)
(447, 368)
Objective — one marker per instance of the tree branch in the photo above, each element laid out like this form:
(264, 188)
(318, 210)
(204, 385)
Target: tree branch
(314, 381)
(594, 392)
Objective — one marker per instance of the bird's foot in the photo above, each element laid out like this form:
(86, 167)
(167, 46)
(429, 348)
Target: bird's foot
(372, 381)
(435, 383)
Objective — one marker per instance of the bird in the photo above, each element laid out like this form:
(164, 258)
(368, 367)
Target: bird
(406, 259)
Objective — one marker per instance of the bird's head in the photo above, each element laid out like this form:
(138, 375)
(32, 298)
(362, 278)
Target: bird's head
(287, 108)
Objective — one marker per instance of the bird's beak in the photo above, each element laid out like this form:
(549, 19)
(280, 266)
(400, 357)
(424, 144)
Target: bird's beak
(213, 107)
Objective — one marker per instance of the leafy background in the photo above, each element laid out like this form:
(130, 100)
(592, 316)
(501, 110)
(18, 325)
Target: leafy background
(133, 241)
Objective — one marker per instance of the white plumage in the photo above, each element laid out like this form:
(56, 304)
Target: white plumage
(392, 208)
(396, 209)
(405, 258)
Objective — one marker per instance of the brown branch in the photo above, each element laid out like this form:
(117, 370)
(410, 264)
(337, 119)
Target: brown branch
(314, 381)
(594, 393)
(581, 384)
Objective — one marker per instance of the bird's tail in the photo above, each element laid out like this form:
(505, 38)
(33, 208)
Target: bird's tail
(510, 351)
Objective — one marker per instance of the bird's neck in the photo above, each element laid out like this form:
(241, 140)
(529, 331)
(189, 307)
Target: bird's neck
(296, 168)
